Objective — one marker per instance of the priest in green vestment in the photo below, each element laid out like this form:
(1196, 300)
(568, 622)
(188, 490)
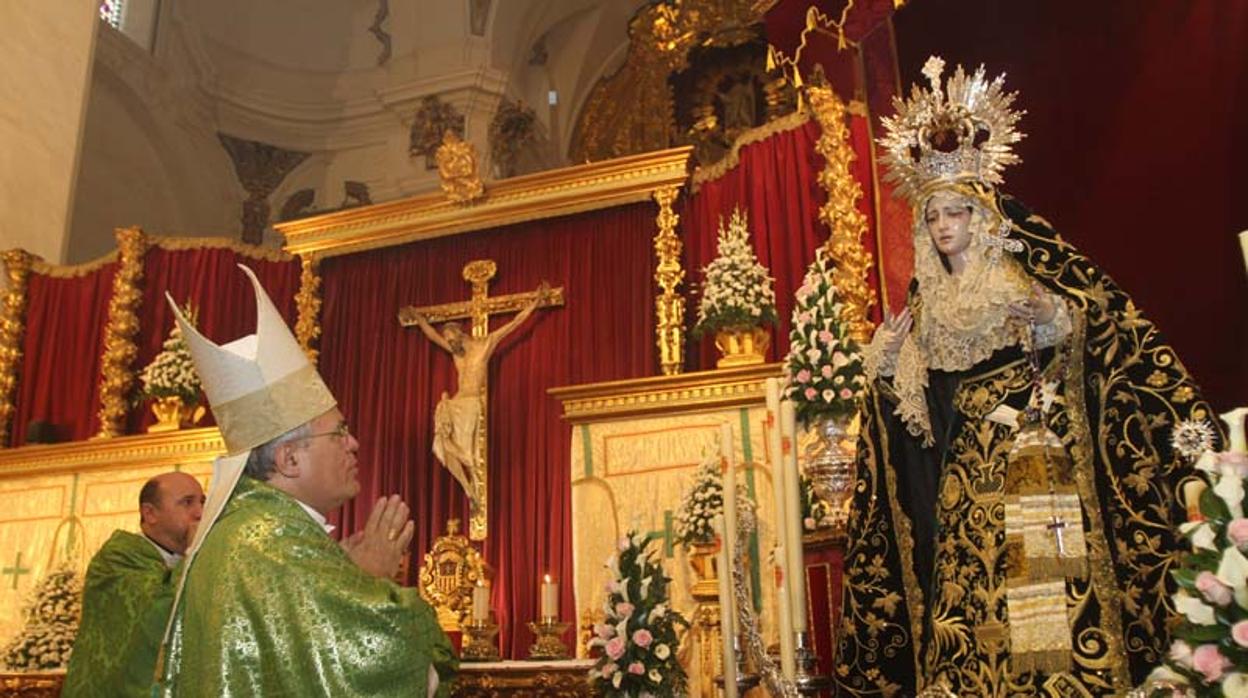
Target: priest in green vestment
(270, 604)
(129, 590)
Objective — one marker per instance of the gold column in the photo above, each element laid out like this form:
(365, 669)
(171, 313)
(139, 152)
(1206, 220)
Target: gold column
(308, 306)
(669, 307)
(12, 327)
(116, 372)
(840, 213)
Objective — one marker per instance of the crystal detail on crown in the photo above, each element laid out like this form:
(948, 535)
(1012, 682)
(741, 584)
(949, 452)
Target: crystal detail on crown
(960, 131)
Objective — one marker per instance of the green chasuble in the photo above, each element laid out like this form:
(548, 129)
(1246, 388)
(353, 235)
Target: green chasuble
(274, 607)
(125, 603)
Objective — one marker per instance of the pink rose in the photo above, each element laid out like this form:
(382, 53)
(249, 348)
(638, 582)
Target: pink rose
(1214, 591)
(804, 317)
(624, 609)
(811, 393)
(809, 523)
(615, 647)
(639, 668)
(1239, 632)
(826, 371)
(1181, 653)
(846, 393)
(604, 630)
(1209, 661)
(827, 337)
(642, 638)
(1237, 531)
(803, 376)
(609, 669)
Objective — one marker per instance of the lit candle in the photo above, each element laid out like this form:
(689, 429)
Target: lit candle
(727, 614)
(550, 598)
(775, 456)
(730, 488)
(480, 603)
(1243, 245)
(796, 566)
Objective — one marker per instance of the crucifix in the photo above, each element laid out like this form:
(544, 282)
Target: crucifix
(16, 570)
(1057, 525)
(459, 439)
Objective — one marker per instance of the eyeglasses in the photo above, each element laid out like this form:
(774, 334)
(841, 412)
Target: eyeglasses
(342, 431)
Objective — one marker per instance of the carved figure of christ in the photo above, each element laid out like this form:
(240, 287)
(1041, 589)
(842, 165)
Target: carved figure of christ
(459, 441)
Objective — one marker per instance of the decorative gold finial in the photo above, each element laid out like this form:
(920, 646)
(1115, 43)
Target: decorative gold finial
(457, 167)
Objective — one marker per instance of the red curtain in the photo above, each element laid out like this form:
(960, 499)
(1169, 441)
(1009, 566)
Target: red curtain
(388, 380)
(1134, 150)
(59, 378)
(210, 279)
(776, 183)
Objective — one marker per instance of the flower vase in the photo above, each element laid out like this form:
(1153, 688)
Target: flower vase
(830, 466)
(172, 414)
(742, 346)
(702, 558)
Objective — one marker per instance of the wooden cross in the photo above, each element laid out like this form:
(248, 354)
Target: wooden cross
(481, 305)
(478, 309)
(16, 570)
(1056, 525)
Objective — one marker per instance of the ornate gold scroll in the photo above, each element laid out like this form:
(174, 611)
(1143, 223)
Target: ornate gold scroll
(116, 374)
(308, 306)
(669, 307)
(840, 213)
(12, 327)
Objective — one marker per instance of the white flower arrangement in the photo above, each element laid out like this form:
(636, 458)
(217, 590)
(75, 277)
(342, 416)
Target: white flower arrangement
(823, 371)
(171, 373)
(1209, 653)
(737, 291)
(52, 616)
(638, 638)
(703, 501)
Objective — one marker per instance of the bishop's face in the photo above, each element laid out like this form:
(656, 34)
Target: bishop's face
(328, 462)
(948, 218)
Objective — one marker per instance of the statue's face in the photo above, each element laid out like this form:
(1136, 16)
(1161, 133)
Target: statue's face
(948, 218)
(454, 336)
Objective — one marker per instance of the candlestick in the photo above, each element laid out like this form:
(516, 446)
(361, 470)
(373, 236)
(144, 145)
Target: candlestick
(480, 602)
(775, 456)
(727, 616)
(793, 521)
(550, 598)
(1243, 245)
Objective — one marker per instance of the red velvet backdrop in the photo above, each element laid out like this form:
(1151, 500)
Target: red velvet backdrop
(59, 377)
(1136, 122)
(783, 217)
(388, 380)
(210, 278)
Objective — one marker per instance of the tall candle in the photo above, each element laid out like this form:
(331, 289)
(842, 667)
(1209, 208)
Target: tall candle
(550, 598)
(796, 566)
(727, 613)
(1243, 245)
(480, 602)
(775, 456)
(730, 489)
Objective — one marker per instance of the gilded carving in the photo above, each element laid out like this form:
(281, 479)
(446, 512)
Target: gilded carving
(116, 373)
(457, 168)
(429, 124)
(633, 110)
(450, 571)
(308, 306)
(260, 168)
(510, 131)
(12, 328)
(840, 212)
(709, 390)
(669, 307)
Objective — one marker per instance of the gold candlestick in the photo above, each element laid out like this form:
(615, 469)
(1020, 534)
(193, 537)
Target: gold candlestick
(549, 643)
(480, 645)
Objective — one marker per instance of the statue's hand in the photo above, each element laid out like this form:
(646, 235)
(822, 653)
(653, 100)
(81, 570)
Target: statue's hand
(379, 548)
